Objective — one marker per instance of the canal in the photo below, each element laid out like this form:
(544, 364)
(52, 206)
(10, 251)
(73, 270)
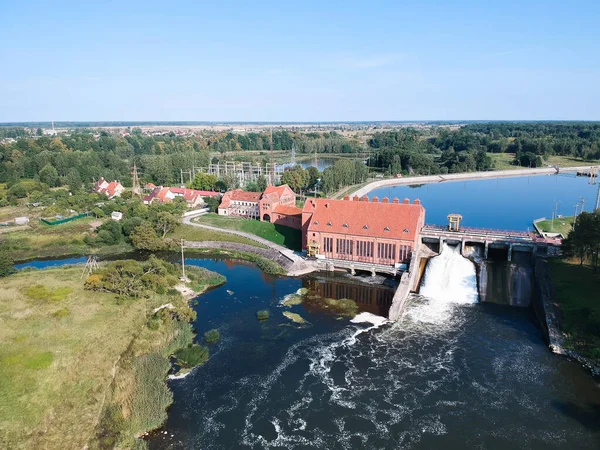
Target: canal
(501, 203)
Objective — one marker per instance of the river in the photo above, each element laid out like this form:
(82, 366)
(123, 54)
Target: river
(453, 373)
(450, 374)
(500, 203)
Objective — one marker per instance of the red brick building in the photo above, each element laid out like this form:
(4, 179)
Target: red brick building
(277, 205)
(377, 232)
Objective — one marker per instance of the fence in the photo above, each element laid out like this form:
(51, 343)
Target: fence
(68, 219)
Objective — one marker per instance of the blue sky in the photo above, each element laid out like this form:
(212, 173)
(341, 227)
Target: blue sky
(299, 61)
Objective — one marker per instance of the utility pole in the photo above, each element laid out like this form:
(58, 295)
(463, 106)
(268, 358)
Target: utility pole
(575, 216)
(183, 277)
(553, 215)
(271, 157)
(582, 204)
(598, 198)
(136, 190)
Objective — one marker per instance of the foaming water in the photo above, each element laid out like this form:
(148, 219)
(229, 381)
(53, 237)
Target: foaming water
(450, 278)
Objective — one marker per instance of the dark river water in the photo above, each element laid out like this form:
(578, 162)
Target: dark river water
(501, 203)
(447, 375)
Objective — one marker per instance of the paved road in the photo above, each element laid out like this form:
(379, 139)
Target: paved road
(299, 264)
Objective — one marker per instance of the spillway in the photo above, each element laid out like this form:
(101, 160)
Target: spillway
(450, 278)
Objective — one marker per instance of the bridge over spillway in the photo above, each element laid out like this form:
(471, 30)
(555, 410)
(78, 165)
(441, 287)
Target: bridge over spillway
(489, 239)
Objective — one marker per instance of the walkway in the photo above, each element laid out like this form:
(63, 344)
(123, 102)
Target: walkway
(299, 266)
(426, 179)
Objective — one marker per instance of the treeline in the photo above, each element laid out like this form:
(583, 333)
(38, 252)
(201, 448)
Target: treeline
(82, 158)
(465, 149)
(329, 142)
(410, 151)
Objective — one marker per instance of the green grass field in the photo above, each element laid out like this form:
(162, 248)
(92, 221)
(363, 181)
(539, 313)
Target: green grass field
(191, 233)
(577, 290)
(503, 161)
(59, 347)
(561, 225)
(288, 237)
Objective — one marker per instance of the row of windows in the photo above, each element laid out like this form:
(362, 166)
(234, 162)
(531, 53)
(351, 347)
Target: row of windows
(238, 203)
(386, 251)
(364, 248)
(344, 246)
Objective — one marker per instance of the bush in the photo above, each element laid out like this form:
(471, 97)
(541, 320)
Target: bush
(61, 313)
(191, 356)
(262, 315)
(212, 336)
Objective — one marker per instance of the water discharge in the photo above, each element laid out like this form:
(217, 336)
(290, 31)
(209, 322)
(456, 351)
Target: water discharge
(450, 277)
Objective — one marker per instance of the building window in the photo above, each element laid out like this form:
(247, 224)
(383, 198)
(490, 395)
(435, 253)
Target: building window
(386, 229)
(344, 246)
(386, 251)
(366, 227)
(406, 230)
(345, 225)
(328, 245)
(364, 248)
(315, 223)
(328, 224)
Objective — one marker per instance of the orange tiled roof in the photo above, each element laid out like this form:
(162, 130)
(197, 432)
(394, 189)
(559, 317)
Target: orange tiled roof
(288, 210)
(364, 218)
(244, 196)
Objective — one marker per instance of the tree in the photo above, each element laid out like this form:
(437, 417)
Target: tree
(6, 262)
(165, 223)
(212, 203)
(73, 180)
(231, 181)
(204, 182)
(261, 183)
(584, 240)
(144, 237)
(49, 175)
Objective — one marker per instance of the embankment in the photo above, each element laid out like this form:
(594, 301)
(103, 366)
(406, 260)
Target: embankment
(428, 179)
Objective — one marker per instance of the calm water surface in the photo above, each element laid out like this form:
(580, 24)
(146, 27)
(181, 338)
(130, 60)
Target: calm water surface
(445, 376)
(502, 203)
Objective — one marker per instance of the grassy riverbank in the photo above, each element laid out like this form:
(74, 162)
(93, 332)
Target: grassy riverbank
(285, 236)
(561, 225)
(504, 161)
(191, 233)
(577, 289)
(44, 241)
(81, 367)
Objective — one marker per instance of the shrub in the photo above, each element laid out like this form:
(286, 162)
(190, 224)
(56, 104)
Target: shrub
(61, 313)
(39, 292)
(191, 356)
(212, 336)
(262, 315)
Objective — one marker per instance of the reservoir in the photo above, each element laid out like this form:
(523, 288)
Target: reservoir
(500, 203)
(453, 373)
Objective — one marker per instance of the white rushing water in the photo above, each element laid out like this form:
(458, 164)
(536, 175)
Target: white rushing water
(450, 278)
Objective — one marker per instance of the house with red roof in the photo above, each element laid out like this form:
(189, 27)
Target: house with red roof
(240, 203)
(376, 232)
(162, 194)
(277, 204)
(111, 190)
